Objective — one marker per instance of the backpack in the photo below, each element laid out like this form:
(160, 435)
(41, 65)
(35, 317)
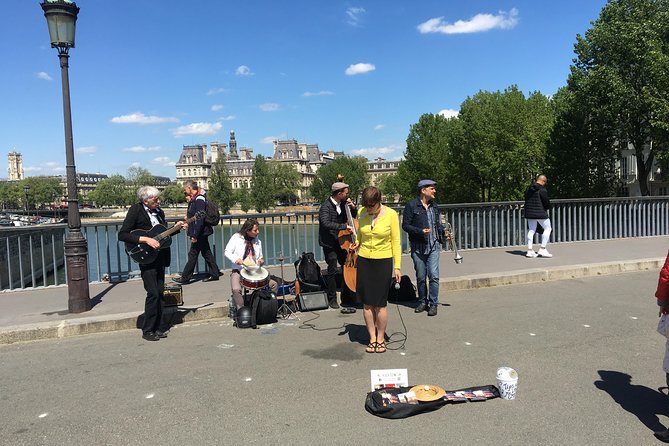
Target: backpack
(406, 293)
(212, 215)
(308, 273)
(264, 307)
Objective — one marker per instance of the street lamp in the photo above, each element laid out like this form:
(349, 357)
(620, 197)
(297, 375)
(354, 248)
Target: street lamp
(26, 190)
(61, 17)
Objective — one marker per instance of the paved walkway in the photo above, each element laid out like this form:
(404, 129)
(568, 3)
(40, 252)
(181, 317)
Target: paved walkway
(42, 313)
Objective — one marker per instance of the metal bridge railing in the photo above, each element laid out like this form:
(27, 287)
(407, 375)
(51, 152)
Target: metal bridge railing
(33, 256)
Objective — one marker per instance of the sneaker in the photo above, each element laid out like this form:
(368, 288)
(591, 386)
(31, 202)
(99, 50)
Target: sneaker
(420, 308)
(531, 254)
(181, 280)
(543, 252)
(432, 311)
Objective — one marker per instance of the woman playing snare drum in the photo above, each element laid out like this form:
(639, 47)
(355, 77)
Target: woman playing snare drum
(245, 249)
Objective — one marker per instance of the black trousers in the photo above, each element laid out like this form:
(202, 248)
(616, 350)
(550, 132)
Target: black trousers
(201, 246)
(335, 257)
(153, 276)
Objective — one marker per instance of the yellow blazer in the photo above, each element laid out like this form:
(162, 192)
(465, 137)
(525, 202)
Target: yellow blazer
(383, 240)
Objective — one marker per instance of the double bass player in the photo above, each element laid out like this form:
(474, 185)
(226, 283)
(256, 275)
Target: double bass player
(331, 219)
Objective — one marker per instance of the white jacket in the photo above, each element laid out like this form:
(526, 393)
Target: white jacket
(236, 246)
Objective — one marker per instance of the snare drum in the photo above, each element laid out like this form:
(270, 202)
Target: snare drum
(252, 279)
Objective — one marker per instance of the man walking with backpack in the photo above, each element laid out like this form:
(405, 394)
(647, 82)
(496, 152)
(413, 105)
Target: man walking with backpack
(198, 231)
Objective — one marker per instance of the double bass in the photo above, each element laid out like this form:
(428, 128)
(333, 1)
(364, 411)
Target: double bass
(348, 237)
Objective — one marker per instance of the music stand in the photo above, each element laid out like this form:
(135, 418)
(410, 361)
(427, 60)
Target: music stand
(284, 310)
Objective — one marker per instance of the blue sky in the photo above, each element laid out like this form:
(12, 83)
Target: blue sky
(147, 77)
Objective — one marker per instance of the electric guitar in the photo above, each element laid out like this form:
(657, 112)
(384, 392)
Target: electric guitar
(143, 253)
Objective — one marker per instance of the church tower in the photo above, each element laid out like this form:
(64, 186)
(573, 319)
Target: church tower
(14, 166)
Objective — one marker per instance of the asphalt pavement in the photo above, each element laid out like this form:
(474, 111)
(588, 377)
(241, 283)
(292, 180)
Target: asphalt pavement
(588, 358)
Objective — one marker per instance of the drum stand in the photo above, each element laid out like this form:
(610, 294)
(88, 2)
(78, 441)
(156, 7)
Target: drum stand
(284, 310)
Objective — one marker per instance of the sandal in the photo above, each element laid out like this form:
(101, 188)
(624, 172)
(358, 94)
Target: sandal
(371, 347)
(380, 347)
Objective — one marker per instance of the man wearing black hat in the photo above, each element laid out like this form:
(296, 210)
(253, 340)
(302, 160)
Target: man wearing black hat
(421, 221)
(331, 220)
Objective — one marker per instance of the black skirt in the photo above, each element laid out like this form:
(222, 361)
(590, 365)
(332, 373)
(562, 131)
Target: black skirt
(373, 280)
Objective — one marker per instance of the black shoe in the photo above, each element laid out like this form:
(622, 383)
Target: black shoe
(333, 304)
(210, 278)
(161, 334)
(420, 308)
(663, 436)
(150, 336)
(432, 311)
(181, 280)
(348, 310)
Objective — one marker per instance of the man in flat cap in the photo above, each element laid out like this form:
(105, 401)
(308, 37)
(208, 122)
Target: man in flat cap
(421, 221)
(332, 219)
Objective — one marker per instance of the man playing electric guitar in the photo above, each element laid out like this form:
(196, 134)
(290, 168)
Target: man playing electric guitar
(144, 215)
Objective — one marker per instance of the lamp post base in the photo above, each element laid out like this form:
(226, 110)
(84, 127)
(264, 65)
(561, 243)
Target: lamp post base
(76, 258)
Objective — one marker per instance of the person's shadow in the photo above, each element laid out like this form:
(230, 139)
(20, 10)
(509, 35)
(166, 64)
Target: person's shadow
(641, 401)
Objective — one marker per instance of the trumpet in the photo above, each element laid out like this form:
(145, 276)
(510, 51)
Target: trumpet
(449, 235)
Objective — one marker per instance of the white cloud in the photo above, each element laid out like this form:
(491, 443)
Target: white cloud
(197, 128)
(141, 119)
(216, 107)
(478, 23)
(47, 168)
(354, 15)
(359, 68)
(271, 139)
(269, 107)
(136, 164)
(227, 118)
(215, 91)
(318, 93)
(87, 149)
(163, 161)
(375, 152)
(449, 113)
(141, 149)
(44, 76)
(379, 126)
(243, 70)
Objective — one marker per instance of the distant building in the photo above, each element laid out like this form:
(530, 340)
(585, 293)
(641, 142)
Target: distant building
(381, 167)
(86, 183)
(14, 166)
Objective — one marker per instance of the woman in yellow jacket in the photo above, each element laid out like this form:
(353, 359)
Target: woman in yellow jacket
(379, 261)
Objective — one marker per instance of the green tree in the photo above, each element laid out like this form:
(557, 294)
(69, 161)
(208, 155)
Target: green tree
(262, 184)
(220, 187)
(138, 176)
(42, 190)
(286, 182)
(504, 141)
(620, 77)
(581, 163)
(11, 195)
(172, 195)
(244, 198)
(354, 170)
(113, 191)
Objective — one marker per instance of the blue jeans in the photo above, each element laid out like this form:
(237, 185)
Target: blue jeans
(427, 266)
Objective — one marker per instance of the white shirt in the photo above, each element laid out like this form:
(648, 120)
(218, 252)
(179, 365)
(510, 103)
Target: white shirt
(337, 205)
(236, 247)
(153, 217)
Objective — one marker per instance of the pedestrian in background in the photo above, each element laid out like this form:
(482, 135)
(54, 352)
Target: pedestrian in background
(536, 209)
(199, 233)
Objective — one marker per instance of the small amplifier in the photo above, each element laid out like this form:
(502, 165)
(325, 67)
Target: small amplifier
(173, 296)
(317, 300)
